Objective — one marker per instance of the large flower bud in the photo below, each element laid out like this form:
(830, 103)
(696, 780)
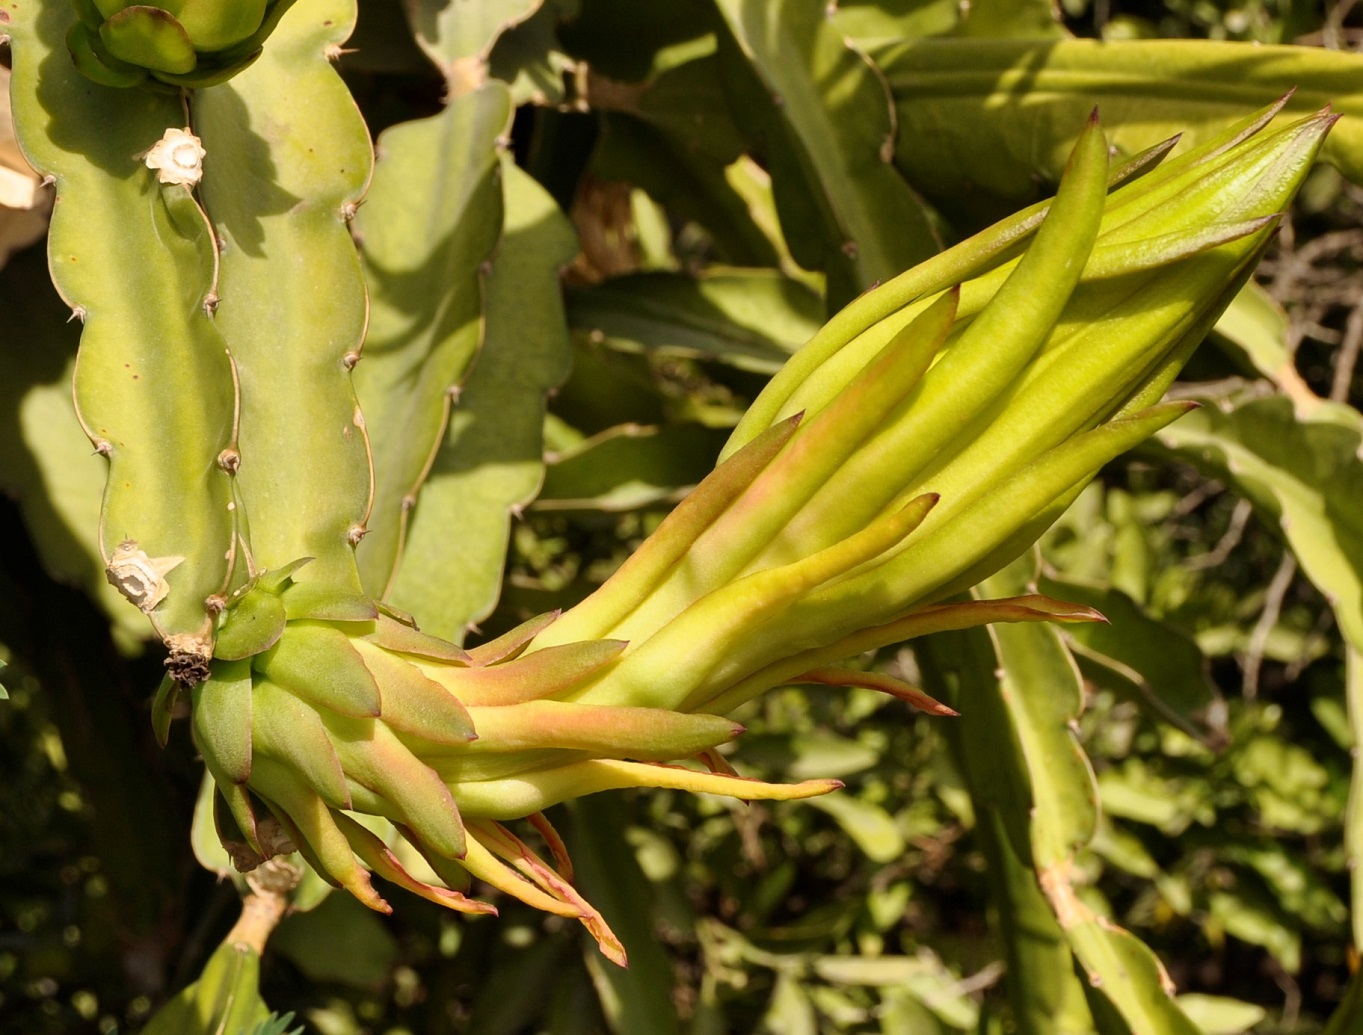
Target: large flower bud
(921, 441)
(180, 42)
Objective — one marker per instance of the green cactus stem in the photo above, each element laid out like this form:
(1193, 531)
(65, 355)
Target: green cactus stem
(155, 387)
(293, 301)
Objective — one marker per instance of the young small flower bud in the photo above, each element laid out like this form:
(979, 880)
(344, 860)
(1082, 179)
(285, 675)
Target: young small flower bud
(121, 44)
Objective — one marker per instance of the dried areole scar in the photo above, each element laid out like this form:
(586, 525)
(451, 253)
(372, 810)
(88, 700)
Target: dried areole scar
(140, 578)
(177, 157)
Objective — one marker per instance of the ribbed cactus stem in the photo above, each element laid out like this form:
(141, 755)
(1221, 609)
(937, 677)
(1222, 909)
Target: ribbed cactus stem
(155, 387)
(290, 161)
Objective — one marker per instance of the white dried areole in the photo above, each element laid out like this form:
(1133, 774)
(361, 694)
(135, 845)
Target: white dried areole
(178, 157)
(140, 578)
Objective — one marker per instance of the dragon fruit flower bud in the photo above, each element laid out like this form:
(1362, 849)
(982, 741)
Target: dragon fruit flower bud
(920, 442)
(190, 43)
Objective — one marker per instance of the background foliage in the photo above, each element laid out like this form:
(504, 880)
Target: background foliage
(701, 227)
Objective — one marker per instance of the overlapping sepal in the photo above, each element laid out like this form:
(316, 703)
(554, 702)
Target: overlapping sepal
(309, 725)
(190, 43)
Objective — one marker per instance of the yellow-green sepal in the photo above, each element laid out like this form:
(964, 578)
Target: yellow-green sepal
(283, 727)
(317, 663)
(222, 721)
(251, 626)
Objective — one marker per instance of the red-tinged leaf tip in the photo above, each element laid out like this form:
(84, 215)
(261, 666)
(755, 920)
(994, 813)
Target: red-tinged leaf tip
(554, 841)
(1035, 605)
(383, 861)
(1083, 614)
(611, 947)
(716, 763)
(881, 682)
(358, 884)
(1093, 119)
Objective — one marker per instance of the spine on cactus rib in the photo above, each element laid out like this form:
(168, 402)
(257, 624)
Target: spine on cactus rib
(154, 386)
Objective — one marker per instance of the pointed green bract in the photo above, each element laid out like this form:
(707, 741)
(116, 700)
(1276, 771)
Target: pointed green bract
(287, 729)
(414, 703)
(646, 734)
(394, 635)
(512, 642)
(922, 621)
(222, 721)
(547, 673)
(254, 624)
(317, 662)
